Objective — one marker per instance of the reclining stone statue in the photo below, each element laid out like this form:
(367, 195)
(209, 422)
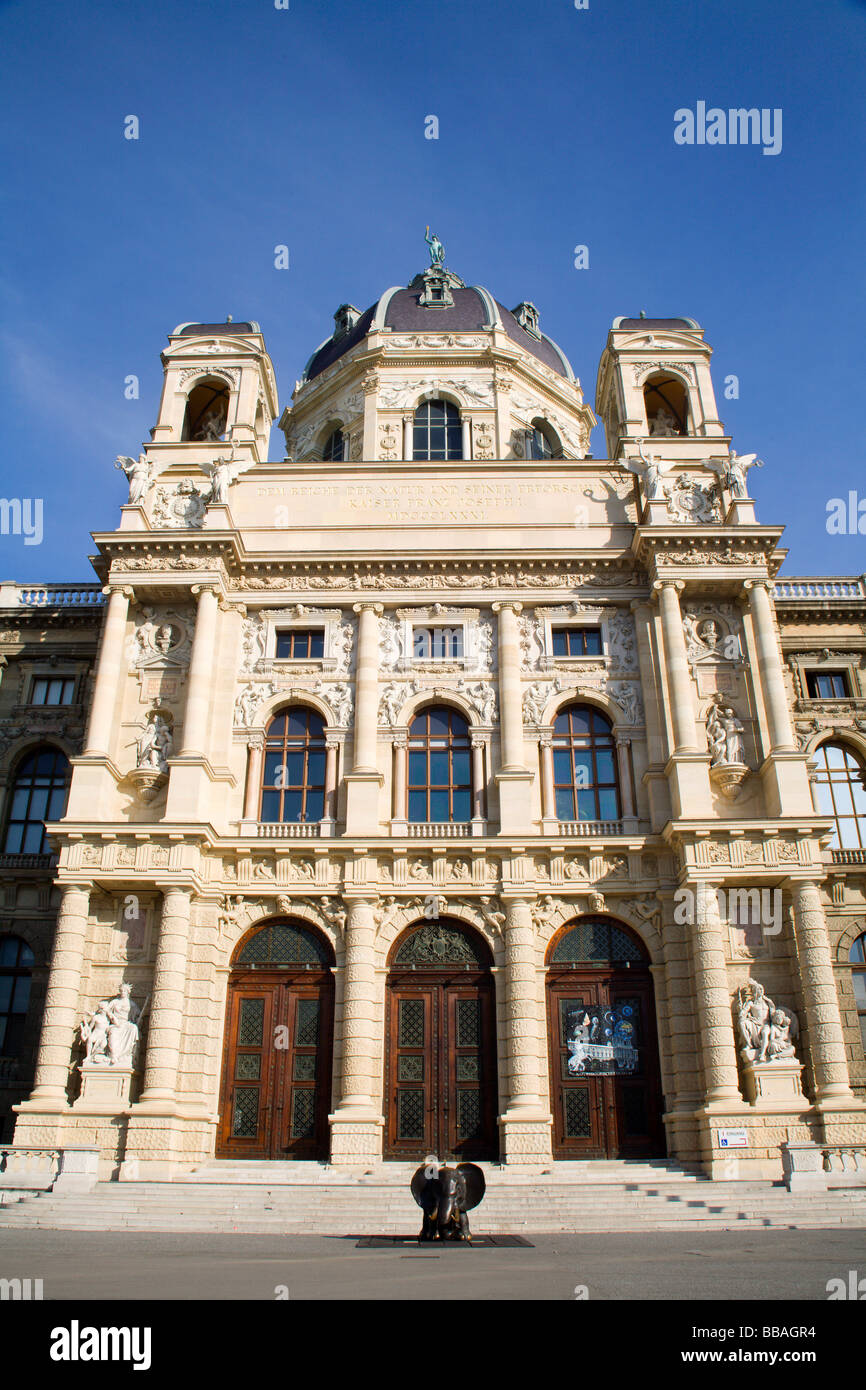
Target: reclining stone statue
(445, 1195)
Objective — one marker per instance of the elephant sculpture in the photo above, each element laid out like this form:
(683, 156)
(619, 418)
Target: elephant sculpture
(445, 1195)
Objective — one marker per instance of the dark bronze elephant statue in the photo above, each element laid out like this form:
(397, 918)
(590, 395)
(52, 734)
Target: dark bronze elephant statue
(445, 1195)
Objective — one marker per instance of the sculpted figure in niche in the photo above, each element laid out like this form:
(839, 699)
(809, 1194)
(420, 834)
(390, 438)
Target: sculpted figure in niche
(665, 426)
(94, 1034)
(725, 737)
(766, 1029)
(139, 475)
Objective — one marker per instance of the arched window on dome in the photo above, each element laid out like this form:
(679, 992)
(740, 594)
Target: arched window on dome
(333, 450)
(667, 406)
(38, 795)
(840, 786)
(541, 442)
(585, 780)
(437, 432)
(439, 776)
(857, 961)
(206, 413)
(293, 771)
(16, 963)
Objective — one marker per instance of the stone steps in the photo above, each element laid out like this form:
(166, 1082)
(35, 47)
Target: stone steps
(387, 1209)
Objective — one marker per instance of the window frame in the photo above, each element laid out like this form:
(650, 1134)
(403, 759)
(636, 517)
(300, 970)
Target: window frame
(293, 743)
(858, 971)
(595, 741)
(424, 743)
(824, 778)
(291, 633)
(455, 635)
(814, 674)
(17, 970)
(569, 630)
(428, 426)
(54, 784)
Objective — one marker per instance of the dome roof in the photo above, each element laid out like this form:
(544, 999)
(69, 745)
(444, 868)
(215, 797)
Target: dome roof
(473, 310)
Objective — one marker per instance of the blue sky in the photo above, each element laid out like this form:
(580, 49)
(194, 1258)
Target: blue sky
(306, 127)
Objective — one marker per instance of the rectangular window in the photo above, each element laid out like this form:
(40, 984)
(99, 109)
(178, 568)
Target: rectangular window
(437, 643)
(52, 690)
(827, 685)
(577, 641)
(301, 644)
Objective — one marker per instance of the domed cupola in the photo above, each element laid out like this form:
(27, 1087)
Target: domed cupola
(437, 371)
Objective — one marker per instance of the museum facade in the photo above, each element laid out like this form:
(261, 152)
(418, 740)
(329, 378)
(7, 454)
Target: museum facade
(443, 788)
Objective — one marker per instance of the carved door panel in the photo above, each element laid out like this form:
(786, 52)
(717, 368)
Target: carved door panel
(277, 1067)
(440, 1078)
(604, 1066)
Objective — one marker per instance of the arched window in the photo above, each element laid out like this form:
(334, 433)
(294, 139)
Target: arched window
(667, 406)
(333, 450)
(584, 765)
(542, 443)
(438, 433)
(440, 782)
(857, 958)
(16, 961)
(293, 775)
(841, 791)
(206, 413)
(38, 795)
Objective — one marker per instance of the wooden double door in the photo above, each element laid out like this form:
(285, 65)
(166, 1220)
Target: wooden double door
(605, 1082)
(440, 1075)
(277, 1065)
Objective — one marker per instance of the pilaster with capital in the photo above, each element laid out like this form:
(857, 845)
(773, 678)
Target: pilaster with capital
(109, 671)
(820, 996)
(713, 1002)
(513, 778)
(255, 757)
(781, 734)
(525, 1127)
(62, 1003)
(681, 697)
(365, 779)
(357, 1122)
(198, 695)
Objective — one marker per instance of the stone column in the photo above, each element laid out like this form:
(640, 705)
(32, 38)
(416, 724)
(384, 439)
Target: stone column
(331, 746)
(682, 704)
(477, 778)
(201, 669)
(400, 796)
(255, 756)
(526, 1125)
(510, 692)
(100, 726)
(167, 1001)
(819, 993)
(356, 1124)
(367, 686)
(62, 1006)
(779, 729)
(548, 789)
(408, 438)
(713, 1015)
(466, 422)
(623, 745)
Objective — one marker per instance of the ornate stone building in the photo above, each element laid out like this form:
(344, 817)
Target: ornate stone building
(448, 789)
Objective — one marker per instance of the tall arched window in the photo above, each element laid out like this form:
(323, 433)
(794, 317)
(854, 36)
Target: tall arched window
(440, 781)
(438, 433)
(857, 959)
(584, 765)
(293, 775)
(16, 961)
(841, 792)
(542, 444)
(333, 450)
(38, 795)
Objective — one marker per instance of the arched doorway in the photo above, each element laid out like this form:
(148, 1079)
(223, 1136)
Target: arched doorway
(277, 1057)
(440, 1073)
(604, 1071)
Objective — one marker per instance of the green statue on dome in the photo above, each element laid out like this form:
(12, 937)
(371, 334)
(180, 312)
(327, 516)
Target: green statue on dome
(437, 250)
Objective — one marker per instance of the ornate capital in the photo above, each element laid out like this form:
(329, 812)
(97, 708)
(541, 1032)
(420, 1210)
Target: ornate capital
(659, 584)
(201, 589)
(759, 584)
(376, 608)
(256, 742)
(512, 603)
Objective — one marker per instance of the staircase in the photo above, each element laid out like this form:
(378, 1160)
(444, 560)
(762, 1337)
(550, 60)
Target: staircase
(312, 1199)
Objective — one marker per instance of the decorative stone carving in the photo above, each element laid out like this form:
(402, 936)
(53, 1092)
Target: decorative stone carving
(389, 440)
(535, 699)
(693, 501)
(253, 642)
(249, 700)
(733, 470)
(339, 697)
(627, 696)
(767, 1031)
(531, 642)
(484, 446)
(622, 643)
(110, 1032)
(728, 768)
(481, 697)
(342, 638)
(391, 643)
(182, 506)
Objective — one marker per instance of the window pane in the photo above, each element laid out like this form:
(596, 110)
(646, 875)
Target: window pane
(6, 983)
(560, 644)
(9, 950)
(294, 773)
(848, 836)
(38, 803)
(562, 765)
(292, 805)
(608, 809)
(460, 768)
(417, 806)
(583, 769)
(857, 952)
(417, 769)
(315, 803)
(835, 756)
(858, 980)
(273, 763)
(21, 996)
(14, 837)
(439, 810)
(438, 721)
(439, 769)
(317, 644)
(593, 641)
(564, 804)
(296, 722)
(605, 765)
(316, 767)
(33, 839)
(270, 806)
(462, 805)
(586, 806)
(56, 804)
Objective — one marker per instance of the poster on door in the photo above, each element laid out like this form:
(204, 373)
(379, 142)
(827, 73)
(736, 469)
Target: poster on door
(601, 1040)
